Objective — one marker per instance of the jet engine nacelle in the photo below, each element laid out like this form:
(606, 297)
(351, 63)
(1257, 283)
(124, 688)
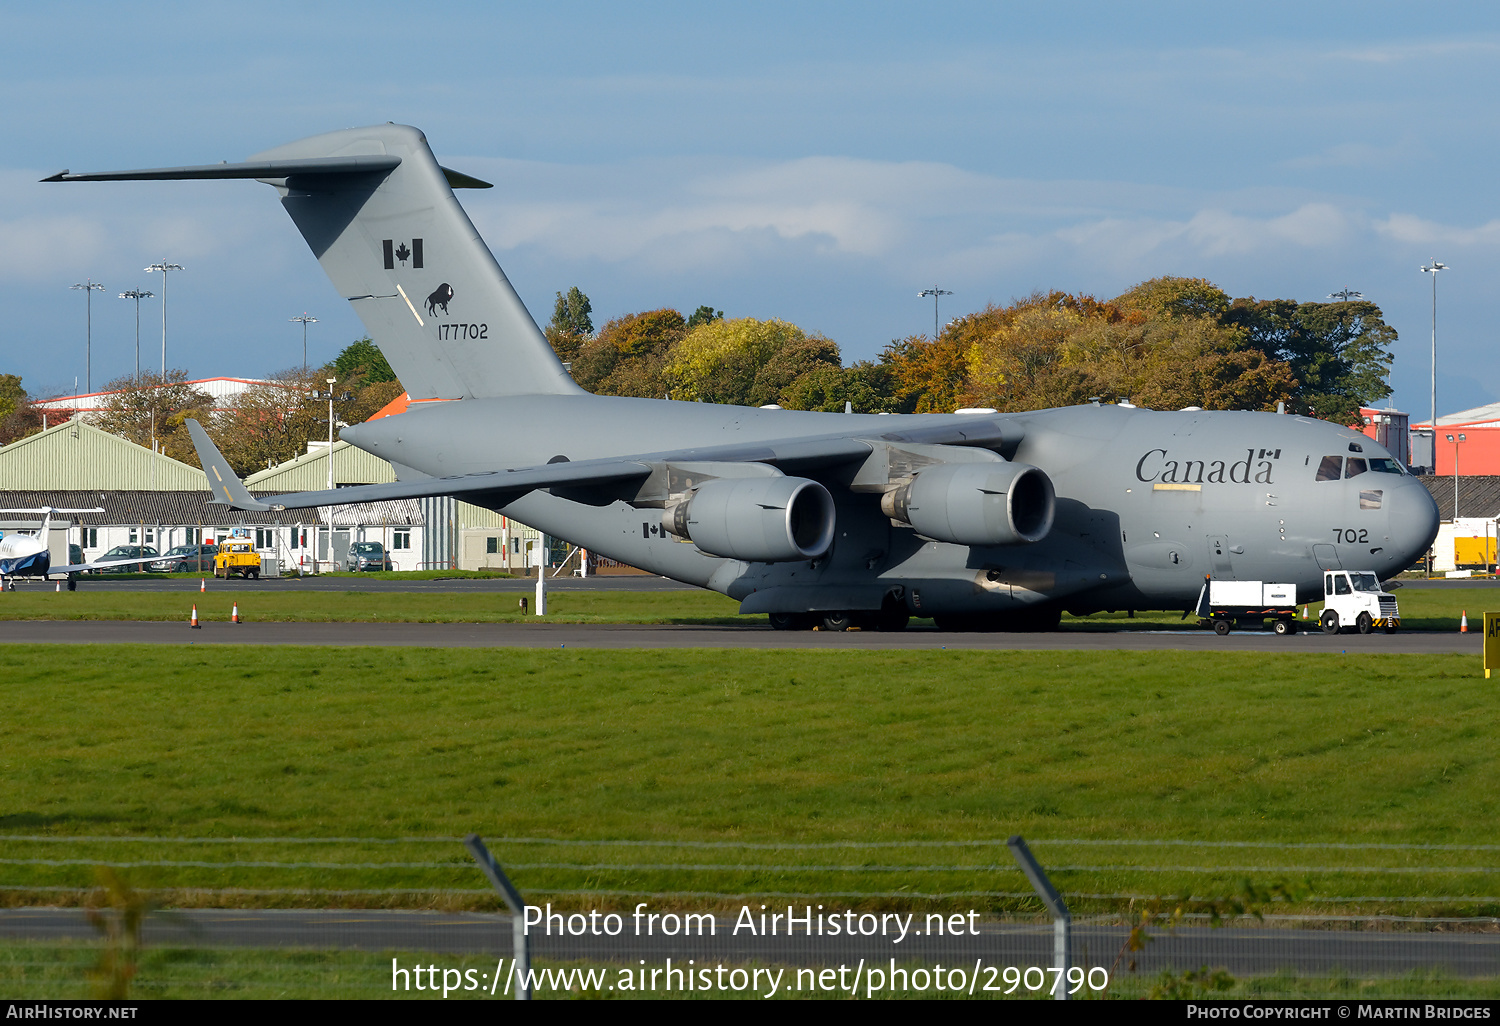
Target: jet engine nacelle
(976, 503)
(759, 519)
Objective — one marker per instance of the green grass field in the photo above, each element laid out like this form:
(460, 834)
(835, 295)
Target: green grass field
(1421, 608)
(683, 607)
(775, 748)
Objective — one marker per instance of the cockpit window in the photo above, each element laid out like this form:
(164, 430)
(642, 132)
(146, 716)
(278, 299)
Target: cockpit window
(1340, 585)
(1331, 469)
(1355, 467)
(1365, 582)
(1386, 466)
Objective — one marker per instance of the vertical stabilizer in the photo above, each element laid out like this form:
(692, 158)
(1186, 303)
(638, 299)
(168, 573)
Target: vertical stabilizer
(399, 247)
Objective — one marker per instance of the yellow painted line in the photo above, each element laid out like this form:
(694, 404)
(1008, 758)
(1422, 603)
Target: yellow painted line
(1159, 487)
(413, 309)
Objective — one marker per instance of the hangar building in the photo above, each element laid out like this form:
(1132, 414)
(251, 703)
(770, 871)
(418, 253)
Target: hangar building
(152, 499)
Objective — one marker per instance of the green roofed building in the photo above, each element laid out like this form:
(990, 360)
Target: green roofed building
(154, 500)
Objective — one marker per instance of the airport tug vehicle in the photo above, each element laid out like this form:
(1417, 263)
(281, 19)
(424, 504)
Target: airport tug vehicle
(1351, 599)
(1354, 598)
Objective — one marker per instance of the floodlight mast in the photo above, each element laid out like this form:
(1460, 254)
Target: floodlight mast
(1346, 295)
(934, 292)
(137, 295)
(306, 320)
(1433, 269)
(164, 267)
(1456, 441)
(89, 287)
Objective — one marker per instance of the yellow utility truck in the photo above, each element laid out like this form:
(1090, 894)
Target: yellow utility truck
(237, 556)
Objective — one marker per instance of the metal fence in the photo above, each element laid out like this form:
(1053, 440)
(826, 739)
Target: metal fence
(416, 917)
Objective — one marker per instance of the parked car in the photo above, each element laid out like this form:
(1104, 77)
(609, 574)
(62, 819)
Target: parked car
(125, 552)
(368, 556)
(182, 559)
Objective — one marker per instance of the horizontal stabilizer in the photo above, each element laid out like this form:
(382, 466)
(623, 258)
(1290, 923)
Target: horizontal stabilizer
(228, 489)
(358, 164)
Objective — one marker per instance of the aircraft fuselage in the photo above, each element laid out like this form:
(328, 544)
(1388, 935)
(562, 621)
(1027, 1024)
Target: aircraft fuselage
(1148, 502)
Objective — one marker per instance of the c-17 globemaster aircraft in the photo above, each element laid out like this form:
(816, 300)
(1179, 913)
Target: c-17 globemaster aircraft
(978, 520)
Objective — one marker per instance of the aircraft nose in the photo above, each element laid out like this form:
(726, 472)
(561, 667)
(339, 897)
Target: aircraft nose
(1414, 520)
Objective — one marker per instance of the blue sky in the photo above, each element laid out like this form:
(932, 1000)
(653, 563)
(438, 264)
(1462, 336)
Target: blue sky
(816, 162)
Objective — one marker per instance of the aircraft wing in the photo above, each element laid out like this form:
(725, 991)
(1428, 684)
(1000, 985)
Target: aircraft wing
(77, 568)
(498, 488)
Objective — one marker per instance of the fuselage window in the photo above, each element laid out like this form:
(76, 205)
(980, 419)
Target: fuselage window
(1331, 469)
(1355, 467)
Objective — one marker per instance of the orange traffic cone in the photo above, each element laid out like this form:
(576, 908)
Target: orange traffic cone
(202, 584)
(234, 617)
(1304, 611)
(193, 623)
(1463, 623)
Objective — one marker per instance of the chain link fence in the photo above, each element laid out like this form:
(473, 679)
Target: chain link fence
(416, 918)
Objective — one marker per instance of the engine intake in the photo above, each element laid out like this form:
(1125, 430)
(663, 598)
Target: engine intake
(760, 519)
(976, 503)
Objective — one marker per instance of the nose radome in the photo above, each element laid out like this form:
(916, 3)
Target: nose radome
(1414, 520)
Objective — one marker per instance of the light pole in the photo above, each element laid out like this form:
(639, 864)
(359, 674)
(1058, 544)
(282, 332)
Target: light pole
(934, 292)
(330, 432)
(1455, 442)
(1433, 270)
(137, 295)
(89, 286)
(164, 267)
(306, 320)
(1346, 295)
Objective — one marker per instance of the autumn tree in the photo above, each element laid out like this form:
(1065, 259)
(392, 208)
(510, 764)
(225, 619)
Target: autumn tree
(627, 356)
(743, 362)
(272, 421)
(152, 407)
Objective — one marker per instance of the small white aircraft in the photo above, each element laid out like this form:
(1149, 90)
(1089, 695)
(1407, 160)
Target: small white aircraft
(26, 555)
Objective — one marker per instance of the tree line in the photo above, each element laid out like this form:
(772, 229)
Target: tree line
(1168, 343)
(266, 424)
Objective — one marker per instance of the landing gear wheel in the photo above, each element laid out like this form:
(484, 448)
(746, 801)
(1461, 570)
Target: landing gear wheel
(1221, 627)
(892, 621)
(837, 621)
(1329, 621)
(1363, 623)
(790, 621)
(1283, 627)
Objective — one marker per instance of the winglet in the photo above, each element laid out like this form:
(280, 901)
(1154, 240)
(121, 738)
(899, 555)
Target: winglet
(228, 489)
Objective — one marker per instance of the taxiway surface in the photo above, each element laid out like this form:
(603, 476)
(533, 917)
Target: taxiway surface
(619, 636)
(1248, 951)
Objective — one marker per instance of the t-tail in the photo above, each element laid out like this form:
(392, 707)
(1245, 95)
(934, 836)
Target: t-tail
(379, 213)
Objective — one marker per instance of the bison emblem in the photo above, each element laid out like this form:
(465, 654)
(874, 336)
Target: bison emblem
(439, 298)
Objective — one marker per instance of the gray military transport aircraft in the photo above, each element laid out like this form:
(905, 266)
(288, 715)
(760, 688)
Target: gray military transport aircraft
(979, 520)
